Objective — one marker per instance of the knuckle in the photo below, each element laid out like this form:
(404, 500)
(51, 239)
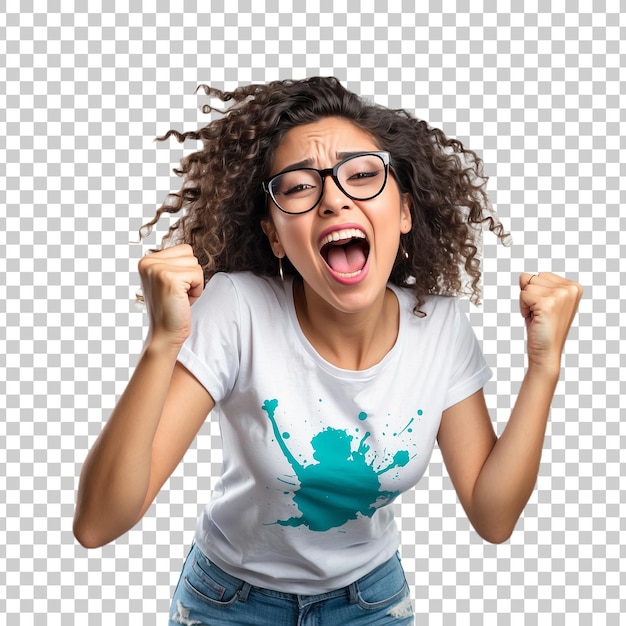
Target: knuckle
(144, 264)
(577, 289)
(166, 275)
(572, 291)
(560, 295)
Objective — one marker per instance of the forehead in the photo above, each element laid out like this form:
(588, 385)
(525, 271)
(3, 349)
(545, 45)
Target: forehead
(321, 142)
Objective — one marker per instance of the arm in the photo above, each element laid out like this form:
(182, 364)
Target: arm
(156, 417)
(493, 477)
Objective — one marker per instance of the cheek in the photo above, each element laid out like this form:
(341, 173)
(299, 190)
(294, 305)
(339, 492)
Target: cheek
(294, 233)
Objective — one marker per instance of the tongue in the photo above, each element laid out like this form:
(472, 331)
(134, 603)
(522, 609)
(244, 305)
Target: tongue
(346, 259)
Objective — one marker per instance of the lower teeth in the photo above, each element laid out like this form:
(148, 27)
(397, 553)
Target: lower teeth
(350, 275)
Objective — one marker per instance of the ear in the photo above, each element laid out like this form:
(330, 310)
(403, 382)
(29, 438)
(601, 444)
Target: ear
(270, 231)
(406, 220)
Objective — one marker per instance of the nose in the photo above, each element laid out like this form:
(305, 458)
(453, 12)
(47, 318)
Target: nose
(333, 198)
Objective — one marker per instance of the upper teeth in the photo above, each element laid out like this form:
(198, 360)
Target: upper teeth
(338, 235)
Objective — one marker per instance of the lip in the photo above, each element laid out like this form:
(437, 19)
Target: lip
(342, 278)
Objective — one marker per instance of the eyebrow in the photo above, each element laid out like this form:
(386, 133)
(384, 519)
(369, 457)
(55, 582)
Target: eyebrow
(340, 156)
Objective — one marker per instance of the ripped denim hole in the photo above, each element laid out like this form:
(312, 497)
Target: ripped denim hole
(403, 609)
(182, 615)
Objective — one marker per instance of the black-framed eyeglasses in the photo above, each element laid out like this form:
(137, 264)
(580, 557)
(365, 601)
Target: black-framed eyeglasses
(360, 176)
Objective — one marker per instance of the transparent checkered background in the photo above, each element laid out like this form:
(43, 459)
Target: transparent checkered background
(538, 92)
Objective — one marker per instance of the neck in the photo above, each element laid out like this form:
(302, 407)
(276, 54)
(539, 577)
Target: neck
(351, 341)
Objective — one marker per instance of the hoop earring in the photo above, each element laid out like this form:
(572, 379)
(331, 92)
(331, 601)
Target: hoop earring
(280, 269)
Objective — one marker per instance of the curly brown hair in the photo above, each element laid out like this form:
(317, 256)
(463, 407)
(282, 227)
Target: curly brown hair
(223, 203)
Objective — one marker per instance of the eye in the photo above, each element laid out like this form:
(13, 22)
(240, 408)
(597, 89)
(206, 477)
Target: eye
(299, 188)
(362, 170)
(364, 175)
(297, 182)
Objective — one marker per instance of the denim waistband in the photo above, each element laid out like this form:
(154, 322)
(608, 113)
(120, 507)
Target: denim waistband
(350, 591)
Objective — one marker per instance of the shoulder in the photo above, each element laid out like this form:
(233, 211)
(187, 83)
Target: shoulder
(252, 287)
(246, 294)
(243, 284)
(228, 309)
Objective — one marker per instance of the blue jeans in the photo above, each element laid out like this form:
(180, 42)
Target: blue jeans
(208, 596)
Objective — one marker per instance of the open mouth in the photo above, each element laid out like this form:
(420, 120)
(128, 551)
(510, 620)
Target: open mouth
(345, 251)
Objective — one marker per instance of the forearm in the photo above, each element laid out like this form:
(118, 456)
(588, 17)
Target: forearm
(509, 474)
(116, 473)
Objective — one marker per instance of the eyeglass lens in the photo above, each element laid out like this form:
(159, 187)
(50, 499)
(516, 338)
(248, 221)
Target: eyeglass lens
(360, 178)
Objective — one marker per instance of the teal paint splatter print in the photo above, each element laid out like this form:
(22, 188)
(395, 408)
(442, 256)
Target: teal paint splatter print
(341, 485)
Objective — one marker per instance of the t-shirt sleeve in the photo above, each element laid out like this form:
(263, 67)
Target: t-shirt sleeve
(212, 350)
(470, 371)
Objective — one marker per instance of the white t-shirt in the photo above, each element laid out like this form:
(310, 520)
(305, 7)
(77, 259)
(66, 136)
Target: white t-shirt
(314, 453)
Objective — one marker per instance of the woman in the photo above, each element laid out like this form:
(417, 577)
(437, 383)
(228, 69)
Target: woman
(332, 236)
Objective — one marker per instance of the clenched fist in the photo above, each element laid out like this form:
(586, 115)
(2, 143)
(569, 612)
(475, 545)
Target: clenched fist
(548, 303)
(172, 280)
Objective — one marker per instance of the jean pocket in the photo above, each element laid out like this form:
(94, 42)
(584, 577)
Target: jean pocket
(384, 592)
(204, 580)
